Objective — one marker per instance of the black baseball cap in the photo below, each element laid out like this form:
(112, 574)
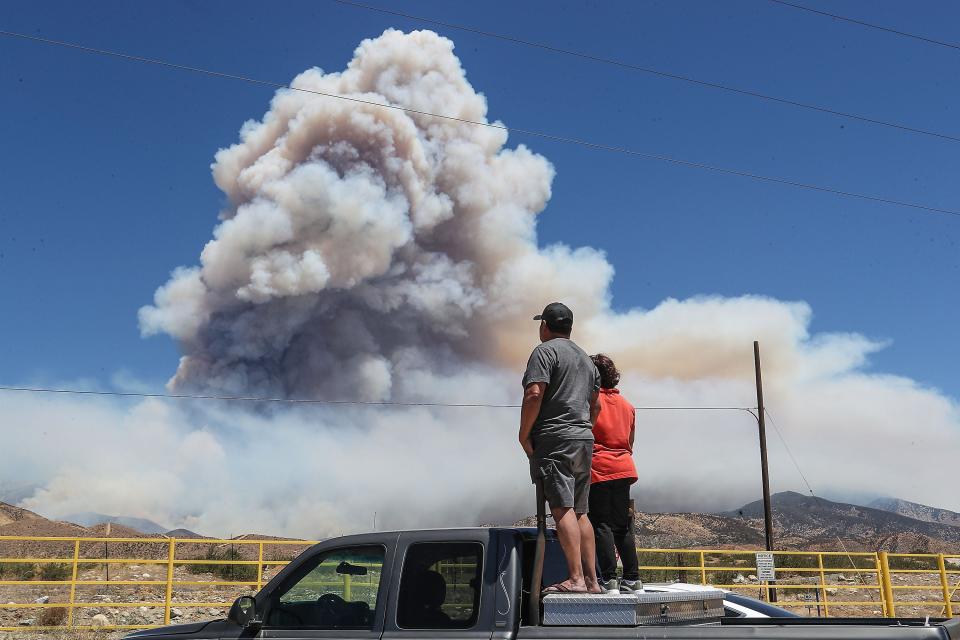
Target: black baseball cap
(557, 316)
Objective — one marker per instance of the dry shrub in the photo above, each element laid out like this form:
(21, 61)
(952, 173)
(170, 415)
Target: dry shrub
(57, 572)
(53, 617)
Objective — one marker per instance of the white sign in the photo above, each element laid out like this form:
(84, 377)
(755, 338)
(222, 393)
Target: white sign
(765, 566)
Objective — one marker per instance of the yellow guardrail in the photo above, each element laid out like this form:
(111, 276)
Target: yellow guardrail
(727, 569)
(168, 560)
(824, 583)
(888, 584)
(948, 580)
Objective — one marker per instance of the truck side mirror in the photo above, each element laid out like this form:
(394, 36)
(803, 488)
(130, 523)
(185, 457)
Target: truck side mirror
(243, 612)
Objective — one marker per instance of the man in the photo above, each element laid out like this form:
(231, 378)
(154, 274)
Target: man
(560, 405)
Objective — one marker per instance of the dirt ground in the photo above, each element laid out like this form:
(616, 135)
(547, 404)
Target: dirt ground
(64, 634)
(847, 587)
(120, 603)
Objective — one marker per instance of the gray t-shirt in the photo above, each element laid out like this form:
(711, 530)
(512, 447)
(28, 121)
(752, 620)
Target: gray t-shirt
(571, 379)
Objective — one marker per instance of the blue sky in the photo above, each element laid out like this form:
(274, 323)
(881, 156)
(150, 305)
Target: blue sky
(105, 184)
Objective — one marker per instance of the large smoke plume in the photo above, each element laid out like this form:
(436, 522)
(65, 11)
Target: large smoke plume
(368, 253)
(360, 242)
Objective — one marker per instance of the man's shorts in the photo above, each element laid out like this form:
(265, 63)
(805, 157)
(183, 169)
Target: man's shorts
(564, 467)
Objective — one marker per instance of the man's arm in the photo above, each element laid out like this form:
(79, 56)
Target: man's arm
(633, 429)
(529, 410)
(594, 407)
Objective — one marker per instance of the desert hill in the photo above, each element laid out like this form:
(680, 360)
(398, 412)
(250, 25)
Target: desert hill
(682, 530)
(800, 523)
(10, 514)
(809, 522)
(15, 521)
(917, 511)
(90, 519)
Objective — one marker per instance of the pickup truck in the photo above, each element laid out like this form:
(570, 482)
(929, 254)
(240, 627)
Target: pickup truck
(469, 584)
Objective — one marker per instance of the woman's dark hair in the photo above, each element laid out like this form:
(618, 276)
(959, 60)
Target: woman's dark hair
(609, 375)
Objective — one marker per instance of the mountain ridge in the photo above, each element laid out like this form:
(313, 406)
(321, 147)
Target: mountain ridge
(808, 521)
(917, 511)
(800, 522)
(91, 519)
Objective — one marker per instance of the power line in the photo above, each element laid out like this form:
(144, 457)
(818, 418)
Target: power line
(191, 396)
(529, 132)
(813, 495)
(789, 452)
(747, 409)
(655, 72)
(867, 24)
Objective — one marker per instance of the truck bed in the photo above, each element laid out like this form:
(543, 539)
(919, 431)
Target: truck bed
(759, 628)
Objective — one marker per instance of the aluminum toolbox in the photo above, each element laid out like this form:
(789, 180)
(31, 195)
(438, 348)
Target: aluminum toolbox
(689, 607)
(640, 608)
(593, 610)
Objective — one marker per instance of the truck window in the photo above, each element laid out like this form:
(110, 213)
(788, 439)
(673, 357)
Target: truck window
(338, 592)
(440, 585)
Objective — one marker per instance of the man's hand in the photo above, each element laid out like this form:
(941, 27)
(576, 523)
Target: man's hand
(529, 410)
(527, 447)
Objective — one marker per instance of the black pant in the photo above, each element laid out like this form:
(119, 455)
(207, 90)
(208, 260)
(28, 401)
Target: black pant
(612, 523)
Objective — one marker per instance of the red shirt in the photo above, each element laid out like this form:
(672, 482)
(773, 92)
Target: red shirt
(612, 453)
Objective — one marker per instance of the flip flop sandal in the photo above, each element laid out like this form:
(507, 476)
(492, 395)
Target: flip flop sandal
(560, 588)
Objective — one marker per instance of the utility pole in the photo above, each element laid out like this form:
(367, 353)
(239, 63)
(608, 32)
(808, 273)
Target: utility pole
(765, 473)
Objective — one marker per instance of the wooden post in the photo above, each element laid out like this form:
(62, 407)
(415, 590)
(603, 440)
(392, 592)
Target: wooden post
(260, 567)
(106, 554)
(168, 599)
(764, 472)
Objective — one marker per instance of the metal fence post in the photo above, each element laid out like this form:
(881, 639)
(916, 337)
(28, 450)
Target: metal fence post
(944, 585)
(260, 568)
(877, 571)
(703, 569)
(168, 599)
(887, 589)
(73, 582)
(823, 586)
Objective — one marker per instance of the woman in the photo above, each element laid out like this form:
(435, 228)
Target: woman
(612, 473)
